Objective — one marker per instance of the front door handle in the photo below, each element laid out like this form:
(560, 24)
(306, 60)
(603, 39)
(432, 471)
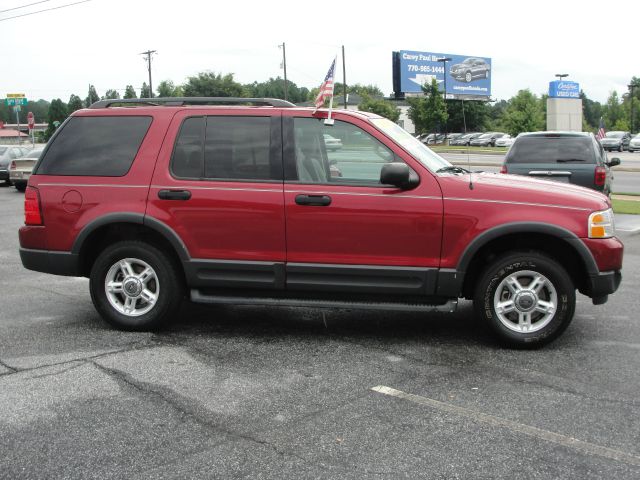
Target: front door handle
(314, 200)
(174, 194)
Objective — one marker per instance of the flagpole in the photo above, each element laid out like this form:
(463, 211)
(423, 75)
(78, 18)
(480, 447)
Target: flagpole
(329, 120)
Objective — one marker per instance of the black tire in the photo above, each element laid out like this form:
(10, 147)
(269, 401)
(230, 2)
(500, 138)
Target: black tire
(21, 187)
(170, 287)
(621, 148)
(551, 326)
(468, 77)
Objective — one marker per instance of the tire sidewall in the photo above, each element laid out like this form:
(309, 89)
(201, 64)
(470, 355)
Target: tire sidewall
(169, 287)
(553, 271)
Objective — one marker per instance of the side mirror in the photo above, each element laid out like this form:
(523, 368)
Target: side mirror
(399, 175)
(614, 161)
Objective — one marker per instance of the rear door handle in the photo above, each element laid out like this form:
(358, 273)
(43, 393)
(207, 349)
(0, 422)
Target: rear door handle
(314, 200)
(174, 194)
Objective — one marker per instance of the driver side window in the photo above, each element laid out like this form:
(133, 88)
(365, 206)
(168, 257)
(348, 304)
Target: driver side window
(338, 154)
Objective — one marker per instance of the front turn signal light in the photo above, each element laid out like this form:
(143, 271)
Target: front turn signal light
(601, 224)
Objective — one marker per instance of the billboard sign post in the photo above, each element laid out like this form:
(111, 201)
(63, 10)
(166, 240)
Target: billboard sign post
(466, 76)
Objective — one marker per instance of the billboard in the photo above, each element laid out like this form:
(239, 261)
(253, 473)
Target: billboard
(564, 89)
(466, 76)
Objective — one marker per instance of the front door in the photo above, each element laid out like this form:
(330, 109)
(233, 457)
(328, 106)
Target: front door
(345, 231)
(218, 185)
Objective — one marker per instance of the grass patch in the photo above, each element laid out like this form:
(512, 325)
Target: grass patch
(453, 148)
(626, 206)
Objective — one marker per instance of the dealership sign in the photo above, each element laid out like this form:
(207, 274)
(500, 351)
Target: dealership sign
(564, 89)
(466, 76)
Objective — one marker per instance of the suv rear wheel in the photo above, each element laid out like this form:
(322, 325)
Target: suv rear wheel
(526, 298)
(135, 286)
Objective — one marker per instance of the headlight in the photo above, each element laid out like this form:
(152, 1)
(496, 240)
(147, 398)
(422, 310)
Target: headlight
(601, 224)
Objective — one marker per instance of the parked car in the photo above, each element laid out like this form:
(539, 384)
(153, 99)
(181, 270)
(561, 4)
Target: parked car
(7, 154)
(20, 168)
(161, 201)
(486, 139)
(634, 143)
(616, 141)
(332, 143)
(570, 157)
(470, 69)
(433, 138)
(504, 141)
(452, 136)
(465, 139)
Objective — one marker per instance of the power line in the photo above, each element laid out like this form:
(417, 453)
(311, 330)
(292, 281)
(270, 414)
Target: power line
(24, 6)
(45, 10)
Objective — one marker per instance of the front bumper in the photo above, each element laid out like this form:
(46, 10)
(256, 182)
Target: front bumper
(603, 284)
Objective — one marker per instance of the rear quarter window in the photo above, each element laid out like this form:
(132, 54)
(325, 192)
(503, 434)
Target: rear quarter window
(540, 149)
(95, 146)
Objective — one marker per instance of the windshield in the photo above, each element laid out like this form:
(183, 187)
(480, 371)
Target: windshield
(614, 134)
(468, 61)
(542, 149)
(486, 135)
(33, 154)
(416, 148)
(2, 150)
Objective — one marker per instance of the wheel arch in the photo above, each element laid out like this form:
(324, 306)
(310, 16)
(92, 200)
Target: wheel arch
(98, 234)
(557, 242)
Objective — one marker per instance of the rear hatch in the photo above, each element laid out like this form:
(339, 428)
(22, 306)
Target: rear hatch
(563, 158)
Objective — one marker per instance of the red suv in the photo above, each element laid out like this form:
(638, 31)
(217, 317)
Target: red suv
(155, 200)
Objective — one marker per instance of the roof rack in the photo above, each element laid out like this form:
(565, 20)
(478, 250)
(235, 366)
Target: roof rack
(179, 101)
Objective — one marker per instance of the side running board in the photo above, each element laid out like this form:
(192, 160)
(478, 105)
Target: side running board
(198, 297)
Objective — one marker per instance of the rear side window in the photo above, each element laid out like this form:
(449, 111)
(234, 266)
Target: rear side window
(95, 146)
(542, 149)
(225, 148)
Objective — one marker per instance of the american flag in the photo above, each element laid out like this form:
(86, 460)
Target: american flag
(326, 89)
(601, 132)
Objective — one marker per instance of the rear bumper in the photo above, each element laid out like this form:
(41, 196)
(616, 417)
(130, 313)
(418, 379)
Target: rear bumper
(57, 263)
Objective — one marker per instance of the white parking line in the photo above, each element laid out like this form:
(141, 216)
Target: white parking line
(570, 442)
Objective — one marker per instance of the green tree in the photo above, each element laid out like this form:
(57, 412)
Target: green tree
(92, 97)
(144, 91)
(75, 103)
(591, 113)
(428, 113)
(167, 88)
(209, 84)
(612, 111)
(380, 106)
(130, 92)
(274, 88)
(496, 113)
(523, 113)
(476, 114)
(359, 89)
(57, 113)
(111, 94)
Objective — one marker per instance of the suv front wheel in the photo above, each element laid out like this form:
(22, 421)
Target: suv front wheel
(526, 298)
(135, 286)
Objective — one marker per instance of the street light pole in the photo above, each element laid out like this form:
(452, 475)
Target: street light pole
(284, 66)
(561, 75)
(148, 53)
(444, 61)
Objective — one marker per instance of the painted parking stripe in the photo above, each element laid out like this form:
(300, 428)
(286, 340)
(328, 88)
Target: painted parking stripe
(569, 442)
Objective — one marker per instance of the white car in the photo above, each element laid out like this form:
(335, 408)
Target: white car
(504, 141)
(20, 169)
(332, 143)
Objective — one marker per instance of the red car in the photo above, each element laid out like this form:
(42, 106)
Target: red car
(237, 204)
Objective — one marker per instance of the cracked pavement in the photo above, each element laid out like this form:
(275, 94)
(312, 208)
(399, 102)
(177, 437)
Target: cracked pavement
(249, 392)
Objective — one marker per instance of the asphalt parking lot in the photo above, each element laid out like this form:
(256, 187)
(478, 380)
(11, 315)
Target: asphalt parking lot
(247, 392)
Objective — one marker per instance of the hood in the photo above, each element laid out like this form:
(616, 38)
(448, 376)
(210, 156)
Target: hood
(520, 189)
(611, 140)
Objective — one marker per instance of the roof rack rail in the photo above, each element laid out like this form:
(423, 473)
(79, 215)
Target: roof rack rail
(178, 101)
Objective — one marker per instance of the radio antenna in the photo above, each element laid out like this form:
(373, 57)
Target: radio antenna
(464, 122)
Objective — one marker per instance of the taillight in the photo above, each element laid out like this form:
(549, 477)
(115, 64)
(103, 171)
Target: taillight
(13, 165)
(600, 176)
(32, 212)
(504, 168)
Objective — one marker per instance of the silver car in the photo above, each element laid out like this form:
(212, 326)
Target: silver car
(7, 154)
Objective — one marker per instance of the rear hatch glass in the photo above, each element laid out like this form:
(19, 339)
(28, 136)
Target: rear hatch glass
(555, 150)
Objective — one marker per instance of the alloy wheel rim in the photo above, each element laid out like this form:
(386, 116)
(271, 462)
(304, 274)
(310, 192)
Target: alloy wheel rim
(132, 287)
(525, 301)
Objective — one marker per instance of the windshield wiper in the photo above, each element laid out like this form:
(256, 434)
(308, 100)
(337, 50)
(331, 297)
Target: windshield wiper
(565, 160)
(452, 169)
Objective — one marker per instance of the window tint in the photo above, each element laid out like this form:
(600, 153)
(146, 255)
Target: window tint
(342, 153)
(187, 161)
(95, 146)
(542, 149)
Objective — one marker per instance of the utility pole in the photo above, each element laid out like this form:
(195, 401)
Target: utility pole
(631, 87)
(148, 54)
(283, 65)
(344, 80)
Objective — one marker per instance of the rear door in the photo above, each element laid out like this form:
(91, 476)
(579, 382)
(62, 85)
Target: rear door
(218, 185)
(345, 231)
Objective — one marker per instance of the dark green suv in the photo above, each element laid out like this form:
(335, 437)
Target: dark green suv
(570, 157)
